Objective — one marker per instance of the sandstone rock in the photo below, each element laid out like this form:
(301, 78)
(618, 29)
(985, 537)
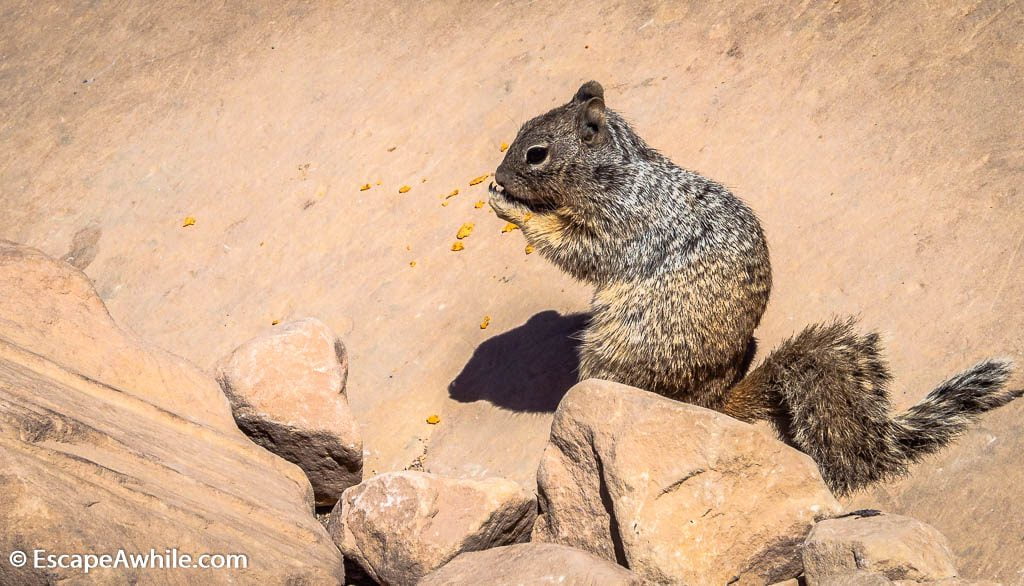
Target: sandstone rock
(675, 492)
(946, 582)
(107, 443)
(403, 525)
(287, 391)
(530, 563)
(900, 548)
(863, 578)
(859, 578)
(49, 308)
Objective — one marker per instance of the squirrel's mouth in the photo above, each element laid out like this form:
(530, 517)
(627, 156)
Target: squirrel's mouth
(532, 205)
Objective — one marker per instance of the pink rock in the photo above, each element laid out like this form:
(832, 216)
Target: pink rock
(287, 391)
(896, 547)
(530, 563)
(401, 526)
(108, 443)
(675, 492)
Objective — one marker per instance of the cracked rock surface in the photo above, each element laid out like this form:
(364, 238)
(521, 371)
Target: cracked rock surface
(675, 492)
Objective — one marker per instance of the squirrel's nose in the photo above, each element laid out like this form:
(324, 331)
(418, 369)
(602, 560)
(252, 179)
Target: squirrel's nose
(501, 176)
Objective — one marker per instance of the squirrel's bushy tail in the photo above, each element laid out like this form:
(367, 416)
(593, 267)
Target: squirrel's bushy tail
(829, 388)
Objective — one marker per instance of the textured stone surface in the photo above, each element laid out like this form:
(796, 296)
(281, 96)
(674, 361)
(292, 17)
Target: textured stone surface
(675, 492)
(287, 393)
(897, 547)
(401, 526)
(878, 142)
(108, 443)
(864, 578)
(530, 563)
(858, 578)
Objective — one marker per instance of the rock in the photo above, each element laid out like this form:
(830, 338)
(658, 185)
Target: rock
(50, 308)
(287, 392)
(863, 578)
(401, 526)
(859, 578)
(107, 443)
(946, 582)
(897, 547)
(530, 563)
(675, 492)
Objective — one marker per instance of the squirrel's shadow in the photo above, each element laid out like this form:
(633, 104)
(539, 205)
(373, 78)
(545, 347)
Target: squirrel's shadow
(528, 368)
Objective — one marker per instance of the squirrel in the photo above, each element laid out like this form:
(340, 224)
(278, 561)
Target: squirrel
(682, 277)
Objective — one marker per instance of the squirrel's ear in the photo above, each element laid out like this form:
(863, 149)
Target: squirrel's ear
(589, 90)
(592, 120)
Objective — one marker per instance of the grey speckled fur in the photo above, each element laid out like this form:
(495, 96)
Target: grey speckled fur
(682, 277)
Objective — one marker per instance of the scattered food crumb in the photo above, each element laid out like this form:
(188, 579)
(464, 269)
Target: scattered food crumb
(365, 186)
(465, 230)
(392, 149)
(509, 227)
(275, 322)
(529, 248)
(486, 322)
(380, 183)
(480, 179)
(504, 146)
(433, 420)
(424, 180)
(449, 196)
(262, 243)
(457, 246)
(408, 247)
(404, 189)
(412, 263)
(479, 204)
(189, 221)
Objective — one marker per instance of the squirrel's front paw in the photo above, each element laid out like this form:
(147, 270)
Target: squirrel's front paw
(502, 209)
(505, 208)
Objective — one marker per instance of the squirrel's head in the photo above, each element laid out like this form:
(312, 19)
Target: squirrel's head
(553, 156)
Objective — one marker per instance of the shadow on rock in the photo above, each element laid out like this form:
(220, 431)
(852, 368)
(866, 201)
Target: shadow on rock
(529, 368)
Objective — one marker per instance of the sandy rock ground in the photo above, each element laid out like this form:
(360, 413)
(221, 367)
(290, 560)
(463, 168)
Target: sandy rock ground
(107, 444)
(879, 142)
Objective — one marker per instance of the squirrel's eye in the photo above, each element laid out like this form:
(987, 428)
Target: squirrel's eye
(536, 155)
